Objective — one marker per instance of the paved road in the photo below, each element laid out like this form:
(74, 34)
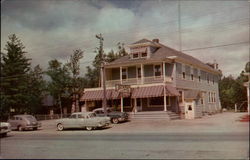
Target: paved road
(225, 143)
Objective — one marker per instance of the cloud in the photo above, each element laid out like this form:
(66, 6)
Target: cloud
(53, 29)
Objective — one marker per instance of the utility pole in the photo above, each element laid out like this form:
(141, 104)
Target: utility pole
(179, 25)
(103, 73)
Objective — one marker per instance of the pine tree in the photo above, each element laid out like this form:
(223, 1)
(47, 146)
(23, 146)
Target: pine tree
(14, 77)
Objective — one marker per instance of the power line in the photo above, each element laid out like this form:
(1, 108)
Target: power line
(224, 45)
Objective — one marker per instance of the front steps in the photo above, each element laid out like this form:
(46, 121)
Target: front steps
(154, 115)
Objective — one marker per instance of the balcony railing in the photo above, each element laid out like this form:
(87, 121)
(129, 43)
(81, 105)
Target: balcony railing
(134, 81)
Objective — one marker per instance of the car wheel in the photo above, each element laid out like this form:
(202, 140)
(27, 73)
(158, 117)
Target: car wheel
(35, 128)
(115, 120)
(60, 127)
(20, 128)
(89, 128)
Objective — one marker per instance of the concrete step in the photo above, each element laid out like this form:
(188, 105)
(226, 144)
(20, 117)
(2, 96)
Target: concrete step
(155, 115)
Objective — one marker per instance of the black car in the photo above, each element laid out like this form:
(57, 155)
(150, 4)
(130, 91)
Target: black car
(115, 116)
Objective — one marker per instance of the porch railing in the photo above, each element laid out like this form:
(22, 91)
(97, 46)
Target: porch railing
(134, 81)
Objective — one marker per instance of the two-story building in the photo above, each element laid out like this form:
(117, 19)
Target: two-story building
(158, 78)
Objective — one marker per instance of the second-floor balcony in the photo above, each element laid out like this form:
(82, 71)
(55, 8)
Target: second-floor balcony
(134, 75)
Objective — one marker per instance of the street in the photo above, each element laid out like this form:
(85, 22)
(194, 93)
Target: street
(218, 136)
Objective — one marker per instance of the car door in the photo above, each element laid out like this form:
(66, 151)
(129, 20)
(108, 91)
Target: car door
(13, 122)
(71, 122)
(80, 121)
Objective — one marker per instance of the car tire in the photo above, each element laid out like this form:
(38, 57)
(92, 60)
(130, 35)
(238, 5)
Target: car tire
(35, 128)
(115, 120)
(89, 128)
(60, 127)
(20, 128)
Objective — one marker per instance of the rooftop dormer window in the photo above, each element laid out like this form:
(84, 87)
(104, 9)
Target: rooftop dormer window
(144, 54)
(135, 55)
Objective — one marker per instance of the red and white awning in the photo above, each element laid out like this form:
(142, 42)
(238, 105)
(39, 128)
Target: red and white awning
(98, 95)
(140, 92)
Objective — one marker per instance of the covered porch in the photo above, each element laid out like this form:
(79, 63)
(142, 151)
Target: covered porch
(144, 98)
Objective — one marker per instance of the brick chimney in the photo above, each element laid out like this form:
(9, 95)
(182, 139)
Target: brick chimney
(156, 40)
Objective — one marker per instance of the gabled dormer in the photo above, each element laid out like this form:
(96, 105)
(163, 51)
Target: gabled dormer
(143, 48)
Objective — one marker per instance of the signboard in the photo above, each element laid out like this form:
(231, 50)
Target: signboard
(123, 88)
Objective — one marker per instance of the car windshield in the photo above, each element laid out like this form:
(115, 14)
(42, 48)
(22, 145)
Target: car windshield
(91, 115)
(30, 118)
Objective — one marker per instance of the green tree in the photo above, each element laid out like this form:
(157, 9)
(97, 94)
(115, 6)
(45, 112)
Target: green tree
(76, 82)
(232, 91)
(59, 84)
(37, 87)
(14, 77)
(121, 50)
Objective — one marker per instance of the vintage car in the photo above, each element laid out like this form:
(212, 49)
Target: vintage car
(4, 128)
(87, 120)
(115, 116)
(24, 122)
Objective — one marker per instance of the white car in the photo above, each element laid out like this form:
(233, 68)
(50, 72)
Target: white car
(4, 128)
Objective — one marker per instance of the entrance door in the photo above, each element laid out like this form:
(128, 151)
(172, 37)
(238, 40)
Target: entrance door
(189, 110)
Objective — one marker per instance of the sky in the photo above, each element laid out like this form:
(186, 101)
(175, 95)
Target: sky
(52, 29)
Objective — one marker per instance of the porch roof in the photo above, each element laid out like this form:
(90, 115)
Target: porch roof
(154, 91)
(191, 94)
(98, 95)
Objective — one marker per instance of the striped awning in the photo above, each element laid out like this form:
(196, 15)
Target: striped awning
(154, 91)
(98, 95)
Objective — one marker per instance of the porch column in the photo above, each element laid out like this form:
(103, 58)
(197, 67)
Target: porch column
(135, 105)
(174, 75)
(165, 101)
(164, 72)
(142, 74)
(121, 75)
(121, 104)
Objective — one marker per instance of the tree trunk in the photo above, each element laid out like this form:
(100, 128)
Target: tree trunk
(60, 105)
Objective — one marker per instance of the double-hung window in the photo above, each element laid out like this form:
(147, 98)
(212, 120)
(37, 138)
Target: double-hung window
(157, 70)
(124, 73)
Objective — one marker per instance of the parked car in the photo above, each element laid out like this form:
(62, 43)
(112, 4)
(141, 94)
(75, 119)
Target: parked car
(4, 128)
(115, 116)
(87, 120)
(24, 122)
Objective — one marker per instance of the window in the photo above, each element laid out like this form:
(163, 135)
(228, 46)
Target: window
(201, 99)
(73, 116)
(135, 55)
(209, 97)
(192, 77)
(199, 78)
(157, 70)
(214, 97)
(180, 97)
(144, 54)
(124, 73)
(183, 75)
(139, 72)
(207, 78)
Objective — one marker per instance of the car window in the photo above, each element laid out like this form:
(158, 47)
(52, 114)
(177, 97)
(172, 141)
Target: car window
(31, 118)
(18, 118)
(97, 112)
(92, 115)
(12, 118)
(101, 112)
(81, 116)
(73, 116)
